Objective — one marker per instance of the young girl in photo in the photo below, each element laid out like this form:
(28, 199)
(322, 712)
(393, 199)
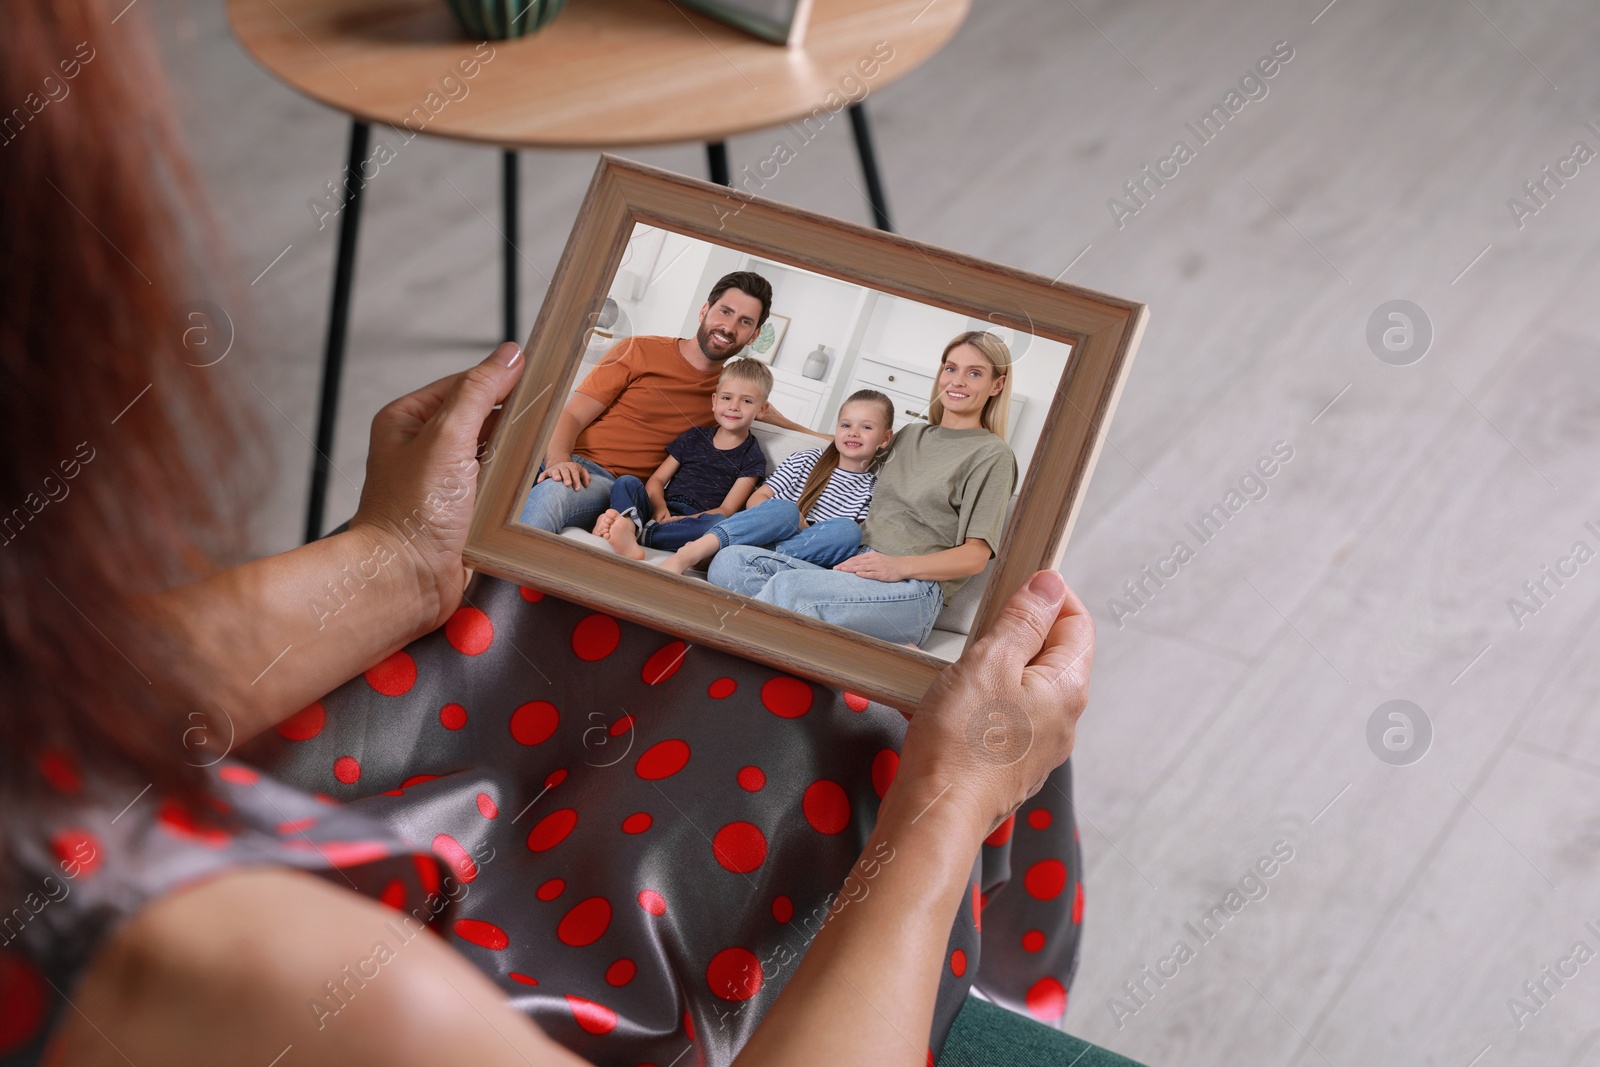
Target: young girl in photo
(812, 506)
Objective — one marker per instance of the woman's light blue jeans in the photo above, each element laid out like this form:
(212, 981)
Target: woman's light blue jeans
(552, 506)
(899, 612)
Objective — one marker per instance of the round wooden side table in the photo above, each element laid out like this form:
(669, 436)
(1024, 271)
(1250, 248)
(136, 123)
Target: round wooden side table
(605, 73)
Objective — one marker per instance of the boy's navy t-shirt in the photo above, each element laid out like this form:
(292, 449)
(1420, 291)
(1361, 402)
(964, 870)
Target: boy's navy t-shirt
(706, 473)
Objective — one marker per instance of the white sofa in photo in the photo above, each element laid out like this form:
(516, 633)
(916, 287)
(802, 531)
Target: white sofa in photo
(949, 630)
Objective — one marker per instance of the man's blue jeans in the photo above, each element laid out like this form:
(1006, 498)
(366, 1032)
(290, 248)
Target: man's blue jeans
(899, 612)
(552, 506)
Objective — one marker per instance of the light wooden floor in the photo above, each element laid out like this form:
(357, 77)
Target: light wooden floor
(1230, 712)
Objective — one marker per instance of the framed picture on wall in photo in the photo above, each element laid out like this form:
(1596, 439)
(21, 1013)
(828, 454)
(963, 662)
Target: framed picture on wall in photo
(856, 517)
(768, 339)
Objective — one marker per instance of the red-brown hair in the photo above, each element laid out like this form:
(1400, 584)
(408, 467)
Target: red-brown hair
(124, 470)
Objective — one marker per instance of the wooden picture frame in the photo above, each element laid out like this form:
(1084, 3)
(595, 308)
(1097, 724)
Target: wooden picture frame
(1103, 330)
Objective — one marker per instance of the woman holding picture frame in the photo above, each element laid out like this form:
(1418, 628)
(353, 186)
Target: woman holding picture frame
(936, 518)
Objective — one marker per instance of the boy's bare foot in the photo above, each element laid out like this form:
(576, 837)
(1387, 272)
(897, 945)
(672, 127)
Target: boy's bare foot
(602, 525)
(623, 538)
(676, 564)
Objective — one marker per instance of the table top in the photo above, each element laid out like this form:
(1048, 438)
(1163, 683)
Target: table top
(603, 73)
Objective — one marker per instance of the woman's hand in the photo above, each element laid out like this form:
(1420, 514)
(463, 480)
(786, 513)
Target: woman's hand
(877, 566)
(997, 721)
(566, 471)
(422, 472)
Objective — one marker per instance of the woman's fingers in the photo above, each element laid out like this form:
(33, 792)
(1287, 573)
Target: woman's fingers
(478, 389)
(1069, 648)
(1025, 623)
(406, 415)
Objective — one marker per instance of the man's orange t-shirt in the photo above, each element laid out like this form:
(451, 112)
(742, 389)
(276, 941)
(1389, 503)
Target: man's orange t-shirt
(652, 395)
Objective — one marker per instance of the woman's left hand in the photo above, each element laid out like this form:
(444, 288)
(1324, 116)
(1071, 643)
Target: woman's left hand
(877, 566)
(422, 472)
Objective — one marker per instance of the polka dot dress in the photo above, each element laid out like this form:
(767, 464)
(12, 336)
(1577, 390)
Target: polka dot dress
(637, 837)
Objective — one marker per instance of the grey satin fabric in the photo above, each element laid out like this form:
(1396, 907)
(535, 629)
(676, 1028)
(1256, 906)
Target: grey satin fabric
(637, 838)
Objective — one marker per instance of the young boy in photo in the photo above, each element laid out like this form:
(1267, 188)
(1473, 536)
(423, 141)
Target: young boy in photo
(709, 472)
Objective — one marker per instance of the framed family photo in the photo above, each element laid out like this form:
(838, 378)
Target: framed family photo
(855, 511)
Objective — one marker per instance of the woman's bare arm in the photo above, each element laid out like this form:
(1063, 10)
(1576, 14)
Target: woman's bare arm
(267, 963)
(271, 636)
(963, 561)
(865, 990)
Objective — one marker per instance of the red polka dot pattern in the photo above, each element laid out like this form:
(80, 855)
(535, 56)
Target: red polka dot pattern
(595, 638)
(60, 769)
(662, 760)
(295, 826)
(787, 697)
(78, 851)
(1040, 818)
(394, 895)
(722, 688)
(1077, 906)
(782, 910)
(551, 830)
(23, 1000)
(585, 923)
(304, 724)
(237, 775)
(751, 779)
(175, 819)
(594, 1018)
(427, 873)
(534, 722)
(652, 902)
(347, 853)
(532, 596)
(958, 963)
(455, 857)
(555, 778)
(885, 765)
(826, 806)
(977, 908)
(740, 847)
(1033, 941)
(621, 972)
(1002, 833)
(551, 889)
(483, 934)
(469, 632)
(663, 663)
(855, 702)
(637, 823)
(688, 1026)
(622, 726)
(1047, 999)
(347, 769)
(452, 716)
(1046, 879)
(525, 979)
(394, 676)
(487, 807)
(734, 974)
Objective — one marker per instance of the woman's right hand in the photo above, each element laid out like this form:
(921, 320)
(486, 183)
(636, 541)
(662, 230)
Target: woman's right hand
(568, 472)
(997, 721)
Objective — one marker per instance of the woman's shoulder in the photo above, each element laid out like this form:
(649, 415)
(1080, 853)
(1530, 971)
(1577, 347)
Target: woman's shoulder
(271, 956)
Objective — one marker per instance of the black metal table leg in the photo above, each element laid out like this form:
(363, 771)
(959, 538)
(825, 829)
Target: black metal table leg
(508, 195)
(338, 326)
(869, 167)
(717, 160)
